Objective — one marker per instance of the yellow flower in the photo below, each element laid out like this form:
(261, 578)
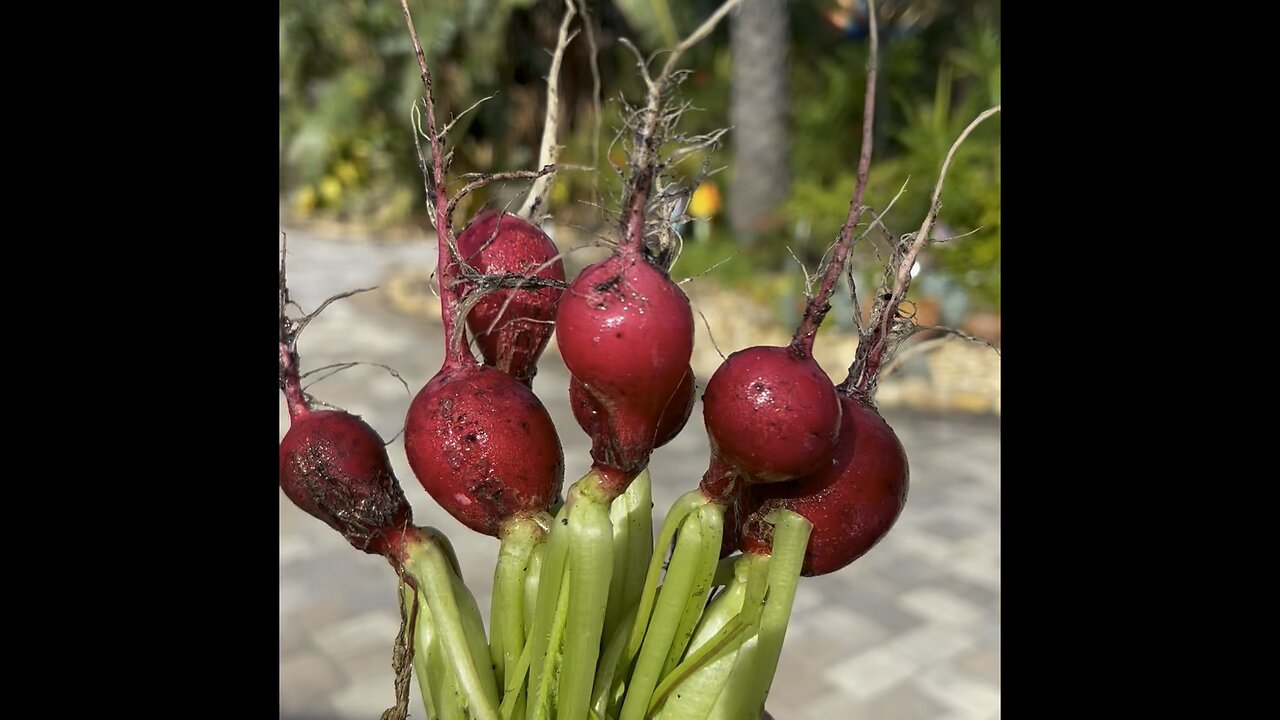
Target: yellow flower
(347, 172)
(330, 190)
(705, 202)
(305, 201)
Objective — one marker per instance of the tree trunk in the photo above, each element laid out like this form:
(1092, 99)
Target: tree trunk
(758, 112)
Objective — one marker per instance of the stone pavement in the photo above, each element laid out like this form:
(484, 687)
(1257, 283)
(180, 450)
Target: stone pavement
(911, 631)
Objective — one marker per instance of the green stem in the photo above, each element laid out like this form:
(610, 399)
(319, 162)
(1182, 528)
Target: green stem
(506, 618)
(550, 583)
(710, 519)
(541, 694)
(591, 570)
(513, 696)
(680, 510)
(608, 679)
(677, 587)
(423, 635)
(440, 692)
(733, 693)
(731, 620)
(790, 538)
(477, 643)
(531, 584)
(632, 517)
(430, 568)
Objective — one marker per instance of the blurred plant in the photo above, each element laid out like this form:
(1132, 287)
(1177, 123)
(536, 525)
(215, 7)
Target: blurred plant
(966, 79)
(347, 82)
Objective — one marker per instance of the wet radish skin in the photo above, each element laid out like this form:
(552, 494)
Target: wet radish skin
(676, 415)
(852, 503)
(772, 414)
(483, 446)
(625, 330)
(335, 467)
(495, 243)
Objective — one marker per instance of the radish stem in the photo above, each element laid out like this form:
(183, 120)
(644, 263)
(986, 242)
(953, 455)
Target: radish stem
(552, 586)
(506, 620)
(591, 569)
(790, 537)
(608, 679)
(710, 519)
(473, 630)
(731, 620)
(541, 702)
(438, 585)
(669, 610)
(532, 579)
(514, 696)
(680, 510)
(640, 538)
(423, 634)
(631, 515)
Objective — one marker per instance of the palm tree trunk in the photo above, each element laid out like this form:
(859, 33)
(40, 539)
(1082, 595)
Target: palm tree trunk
(758, 112)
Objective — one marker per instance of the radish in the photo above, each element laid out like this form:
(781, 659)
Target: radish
(625, 331)
(511, 326)
(334, 466)
(852, 503)
(771, 413)
(592, 419)
(483, 446)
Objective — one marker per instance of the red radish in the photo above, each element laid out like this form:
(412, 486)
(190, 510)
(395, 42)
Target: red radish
(852, 503)
(483, 446)
(335, 467)
(625, 330)
(332, 464)
(592, 420)
(771, 413)
(512, 326)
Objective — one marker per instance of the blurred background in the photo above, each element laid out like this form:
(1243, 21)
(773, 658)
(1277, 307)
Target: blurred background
(909, 631)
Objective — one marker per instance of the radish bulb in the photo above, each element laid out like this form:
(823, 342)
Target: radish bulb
(335, 467)
(625, 331)
(591, 418)
(772, 414)
(852, 503)
(483, 446)
(511, 326)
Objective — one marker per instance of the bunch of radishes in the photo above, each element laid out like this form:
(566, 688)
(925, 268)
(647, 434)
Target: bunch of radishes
(587, 620)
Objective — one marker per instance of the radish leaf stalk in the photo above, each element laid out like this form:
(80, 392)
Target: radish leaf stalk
(455, 619)
(684, 587)
(790, 537)
(729, 621)
(590, 572)
(877, 343)
(632, 517)
(819, 305)
(507, 612)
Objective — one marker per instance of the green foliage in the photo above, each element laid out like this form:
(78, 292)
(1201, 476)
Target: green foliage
(343, 65)
(914, 131)
(348, 80)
